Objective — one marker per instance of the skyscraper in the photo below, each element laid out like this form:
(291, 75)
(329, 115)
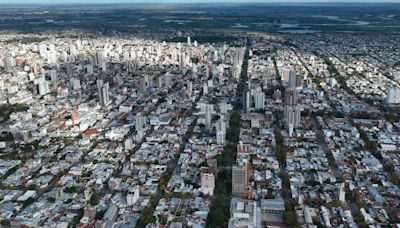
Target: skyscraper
(246, 100)
(104, 95)
(43, 86)
(209, 109)
(240, 180)
(292, 83)
(259, 100)
(292, 110)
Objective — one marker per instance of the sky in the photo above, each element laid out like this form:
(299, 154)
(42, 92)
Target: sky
(186, 1)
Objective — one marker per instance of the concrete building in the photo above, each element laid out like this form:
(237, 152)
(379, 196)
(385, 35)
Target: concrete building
(393, 95)
(292, 111)
(240, 180)
(103, 91)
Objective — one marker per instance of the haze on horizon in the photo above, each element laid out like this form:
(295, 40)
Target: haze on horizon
(187, 1)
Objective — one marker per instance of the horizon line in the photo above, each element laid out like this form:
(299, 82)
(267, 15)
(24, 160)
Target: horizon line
(196, 2)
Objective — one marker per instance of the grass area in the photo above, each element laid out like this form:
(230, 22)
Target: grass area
(228, 157)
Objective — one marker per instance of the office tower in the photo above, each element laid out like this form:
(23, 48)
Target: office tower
(246, 100)
(43, 86)
(259, 100)
(103, 92)
(291, 96)
(240, 180)
(292, 111)
(393, 95)
(188, 41)
(208, 116)
(292, 83)
(294, 80)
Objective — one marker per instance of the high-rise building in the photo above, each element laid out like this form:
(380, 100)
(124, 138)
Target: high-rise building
(209, 109)
(221, 137)
(9, 63)
(240, 180)
(43, 86)
(207, 180)
(246, 100)
(292, 111)
(189, 43)
(104, 94)
(259, 100)
(393, 95)
(53, 75)
(100, 59)
(144, 85)
(292, 83)
(291, 78)
(68, 68)
(189, 88)
(221, 131)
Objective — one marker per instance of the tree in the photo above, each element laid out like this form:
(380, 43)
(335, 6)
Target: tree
(290, 218)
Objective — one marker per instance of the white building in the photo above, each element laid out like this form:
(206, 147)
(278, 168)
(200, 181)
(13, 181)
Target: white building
(393, 95)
